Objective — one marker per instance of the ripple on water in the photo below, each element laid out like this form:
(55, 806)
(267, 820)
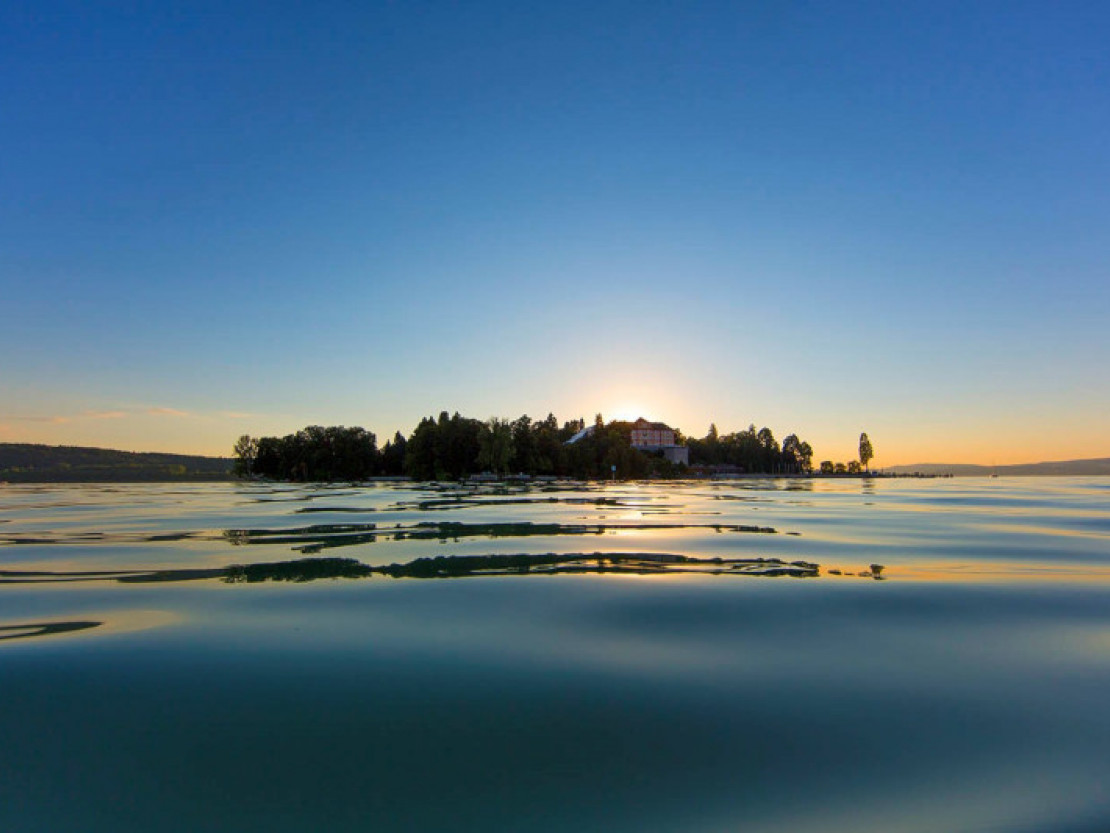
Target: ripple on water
(179, 659)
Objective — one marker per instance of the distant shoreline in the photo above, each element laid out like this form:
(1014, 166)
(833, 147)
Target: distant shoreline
(33, 463)
(31, 479)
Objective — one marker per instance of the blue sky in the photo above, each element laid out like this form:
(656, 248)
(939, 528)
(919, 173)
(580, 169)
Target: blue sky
(219, 219)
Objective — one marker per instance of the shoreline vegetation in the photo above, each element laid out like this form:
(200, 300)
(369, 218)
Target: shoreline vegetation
(459, 449)
(454, 447)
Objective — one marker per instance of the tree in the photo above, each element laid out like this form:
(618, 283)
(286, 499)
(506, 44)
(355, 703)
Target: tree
(525, 457)
(770, 454)
(313, 453)
(393, 455)
(805, 457)
(712, 445)
(792, 454)
(420, 451)
(827, 467)
(548, 446)
(495, 445)
(246, 452)
(865, 451)
(570, 428)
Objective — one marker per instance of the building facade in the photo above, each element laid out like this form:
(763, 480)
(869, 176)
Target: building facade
(651, 434)
(657, 436)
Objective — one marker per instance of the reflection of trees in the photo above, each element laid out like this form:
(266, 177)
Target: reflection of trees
(459, 566)
(443, 566)
(44, 629)
(312, 539)
(798, 486)
(305, 569)
(237, 537)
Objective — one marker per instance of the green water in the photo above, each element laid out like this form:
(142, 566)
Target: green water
(640, 681)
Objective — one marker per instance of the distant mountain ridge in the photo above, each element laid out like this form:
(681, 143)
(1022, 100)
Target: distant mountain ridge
(1094, 466)
(30, 463)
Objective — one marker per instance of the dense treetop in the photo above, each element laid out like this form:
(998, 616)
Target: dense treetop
(446, 447)
(452, 446)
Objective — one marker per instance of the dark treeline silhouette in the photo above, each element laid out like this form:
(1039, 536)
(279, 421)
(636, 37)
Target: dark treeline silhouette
(313, 453)
(860, 466)
(453, 446)
(752, 451)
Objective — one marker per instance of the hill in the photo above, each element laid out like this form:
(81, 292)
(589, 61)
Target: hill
(27, 463)
(1099, 466)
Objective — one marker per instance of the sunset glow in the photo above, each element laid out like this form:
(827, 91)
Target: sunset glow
(820, 220)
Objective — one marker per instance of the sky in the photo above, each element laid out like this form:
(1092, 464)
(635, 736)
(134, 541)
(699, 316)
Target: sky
(244, 218)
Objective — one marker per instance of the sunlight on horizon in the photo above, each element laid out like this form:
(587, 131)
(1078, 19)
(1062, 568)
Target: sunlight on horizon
(630, 413)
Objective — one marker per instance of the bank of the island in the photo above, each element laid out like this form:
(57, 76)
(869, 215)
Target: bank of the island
(454, 447)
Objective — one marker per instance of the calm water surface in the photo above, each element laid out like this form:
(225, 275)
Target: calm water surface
(618, 688)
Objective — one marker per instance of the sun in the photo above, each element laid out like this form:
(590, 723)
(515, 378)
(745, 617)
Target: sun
(626, 400)
(628, 412)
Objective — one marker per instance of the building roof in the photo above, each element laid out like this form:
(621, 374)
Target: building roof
(585, 432)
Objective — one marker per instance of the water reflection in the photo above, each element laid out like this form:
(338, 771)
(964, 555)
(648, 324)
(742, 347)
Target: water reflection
(327, 536)
(451, 566)
(321, 536)
(960, 687)
(26, 631)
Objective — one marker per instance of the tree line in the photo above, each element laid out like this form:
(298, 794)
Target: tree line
(752, 451)
(866, 454)
(451, 446)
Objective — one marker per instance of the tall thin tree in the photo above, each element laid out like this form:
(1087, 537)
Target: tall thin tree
(866, 452)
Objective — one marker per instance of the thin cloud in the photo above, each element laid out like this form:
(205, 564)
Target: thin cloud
(167, 412)
(51, 420)
(104, 414)
(236, 415)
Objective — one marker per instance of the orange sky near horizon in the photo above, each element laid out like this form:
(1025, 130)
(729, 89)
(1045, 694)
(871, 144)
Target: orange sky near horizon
(897, 440)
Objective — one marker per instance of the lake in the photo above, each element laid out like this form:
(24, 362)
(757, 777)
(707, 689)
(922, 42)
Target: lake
(748, 655)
